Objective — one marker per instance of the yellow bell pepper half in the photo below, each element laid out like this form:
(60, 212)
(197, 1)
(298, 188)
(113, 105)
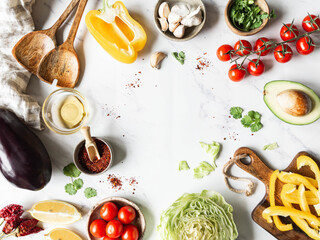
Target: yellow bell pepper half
(116, 31)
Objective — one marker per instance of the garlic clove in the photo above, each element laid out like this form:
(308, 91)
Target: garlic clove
(193, 19)
(179, 32)
(174, 18)
(164, 24)
(164, 10)
(181, 9)
(173, 26)
(156, 59)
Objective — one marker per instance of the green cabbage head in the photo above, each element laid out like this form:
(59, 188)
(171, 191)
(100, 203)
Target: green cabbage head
(204, 216)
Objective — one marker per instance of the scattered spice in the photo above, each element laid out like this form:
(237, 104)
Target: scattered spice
(118, 183)
(111, 112)
(202, 63)
(97, 165)
(136, 82)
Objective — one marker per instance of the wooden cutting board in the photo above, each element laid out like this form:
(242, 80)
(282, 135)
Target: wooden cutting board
(256, 167)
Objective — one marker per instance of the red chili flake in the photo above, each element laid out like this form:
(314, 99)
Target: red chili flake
(28, 227)
(10, 211)
(116, 182)
(202, 62)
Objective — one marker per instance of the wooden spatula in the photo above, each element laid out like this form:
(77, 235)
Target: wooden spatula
(90, 144)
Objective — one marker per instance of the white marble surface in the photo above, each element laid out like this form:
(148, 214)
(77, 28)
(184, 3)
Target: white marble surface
(162, 121)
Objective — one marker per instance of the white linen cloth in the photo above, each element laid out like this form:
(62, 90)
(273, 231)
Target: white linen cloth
(15, 22)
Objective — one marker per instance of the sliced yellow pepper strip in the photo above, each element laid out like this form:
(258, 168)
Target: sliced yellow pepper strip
(304, 204)
(293, 197)
(272, 187)
(297, 179)
(116, 31)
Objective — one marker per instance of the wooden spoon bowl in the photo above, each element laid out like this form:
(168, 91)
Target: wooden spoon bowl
(31, 48)
(61, 64)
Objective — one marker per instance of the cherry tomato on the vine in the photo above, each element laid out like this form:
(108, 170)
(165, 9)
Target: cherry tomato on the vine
(114, 229)
(98, 228)
(255, 67)
(224, 52)
(283, 53)
(262, 47)
(311, 23)
(130, 232)
(242, 47)
(236, 73)
(305, 45)
(109, 211)
(288, 31)
(126, 214)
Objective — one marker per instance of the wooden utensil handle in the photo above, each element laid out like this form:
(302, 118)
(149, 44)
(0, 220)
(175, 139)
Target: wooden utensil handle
(76, 21)
(62, 18)
(255, 167)
(86, 133)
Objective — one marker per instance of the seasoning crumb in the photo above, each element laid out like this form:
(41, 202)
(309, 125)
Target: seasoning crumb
(202, 63)
(224, 138)
(119, 183)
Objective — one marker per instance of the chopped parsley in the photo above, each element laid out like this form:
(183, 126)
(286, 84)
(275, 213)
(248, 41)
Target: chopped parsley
(179, 56)
(90, 192)
(71, 171)
(236, 112)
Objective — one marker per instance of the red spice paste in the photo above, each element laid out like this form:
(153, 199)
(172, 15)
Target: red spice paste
(98, 165)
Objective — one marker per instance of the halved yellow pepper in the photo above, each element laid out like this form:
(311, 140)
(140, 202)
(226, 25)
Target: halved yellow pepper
(116, 31)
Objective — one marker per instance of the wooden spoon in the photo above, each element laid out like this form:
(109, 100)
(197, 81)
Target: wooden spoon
(32, 47)
(63, 63)
(90, 144)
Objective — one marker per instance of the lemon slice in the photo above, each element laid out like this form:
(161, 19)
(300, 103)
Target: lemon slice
(61, 234)
(55, 212)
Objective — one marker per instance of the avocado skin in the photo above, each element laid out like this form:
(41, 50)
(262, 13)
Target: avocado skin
(273, 88)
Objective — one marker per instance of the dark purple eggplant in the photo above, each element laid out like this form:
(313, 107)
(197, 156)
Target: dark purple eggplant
(24, 161)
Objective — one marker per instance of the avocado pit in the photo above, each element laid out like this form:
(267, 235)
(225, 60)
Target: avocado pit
(295, 102)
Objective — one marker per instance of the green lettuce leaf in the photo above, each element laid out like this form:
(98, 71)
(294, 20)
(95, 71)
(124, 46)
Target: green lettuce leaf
(198, 216)
(202, 170)
(212, 149)
(271, 146)
(183, 165)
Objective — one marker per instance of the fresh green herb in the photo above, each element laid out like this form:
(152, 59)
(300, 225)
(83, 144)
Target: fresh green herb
(252, 120)
(183, 165)
(179, 56)
(212, 149)
(90, 192)
(71, 171)
(246, 121)
(255, 127)
(70, 189)
(204, 215)
(271, 146)
(202, 170)
(236, 112)
(78, 183)
(246, 15)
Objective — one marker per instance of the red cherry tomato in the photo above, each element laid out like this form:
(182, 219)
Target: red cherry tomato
(261, 46)
(224, 52)
(130, 232)
(283, 53)
(311, 23)
(114, 229)
(305, 45)
(98, 228)
(126, 214)
(242, 47)
(288, 31)
(109, 211)
(236, 73)
(255, 67)
(109, 238)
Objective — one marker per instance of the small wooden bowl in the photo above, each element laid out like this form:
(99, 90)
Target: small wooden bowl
(190, 32)
(264, 7)
(94, 214)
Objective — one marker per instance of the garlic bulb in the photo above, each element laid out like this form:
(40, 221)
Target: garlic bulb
(193, 19)
(174, 17)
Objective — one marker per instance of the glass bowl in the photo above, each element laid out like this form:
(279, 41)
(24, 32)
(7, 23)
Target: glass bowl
(51, 111)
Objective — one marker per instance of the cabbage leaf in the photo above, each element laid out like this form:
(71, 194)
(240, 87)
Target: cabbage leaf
(212, 149)
(198, 216)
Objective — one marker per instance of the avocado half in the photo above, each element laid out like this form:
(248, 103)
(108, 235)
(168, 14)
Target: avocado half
(292, 102)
